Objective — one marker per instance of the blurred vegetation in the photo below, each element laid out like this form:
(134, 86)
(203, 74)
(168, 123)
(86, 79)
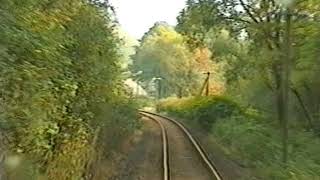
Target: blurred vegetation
(203, 111)
(64, 107)
(168, 66)
(248, 137)
(264, 55)
(270, 53)
(250, 38)
(61, 93)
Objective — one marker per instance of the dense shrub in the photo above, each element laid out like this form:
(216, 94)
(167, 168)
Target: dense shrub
(204, 110)
(249, 138)
(257, 145)
(60, 85)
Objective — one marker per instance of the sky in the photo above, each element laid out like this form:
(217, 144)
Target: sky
(137, 16)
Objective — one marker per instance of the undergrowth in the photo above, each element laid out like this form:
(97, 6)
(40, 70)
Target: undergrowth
(247, 136)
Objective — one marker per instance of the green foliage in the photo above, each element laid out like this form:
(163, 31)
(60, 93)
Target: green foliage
(164, 54)
(203, 110)
(252, 47)
(198, 18)
(59, 65)
(253, 39)
(257, 144)
(249, 138)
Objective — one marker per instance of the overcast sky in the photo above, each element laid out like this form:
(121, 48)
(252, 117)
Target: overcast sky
(137, 16)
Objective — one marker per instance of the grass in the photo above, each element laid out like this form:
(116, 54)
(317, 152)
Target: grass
(247, 136)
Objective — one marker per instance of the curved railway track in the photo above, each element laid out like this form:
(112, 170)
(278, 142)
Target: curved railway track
(179, 145)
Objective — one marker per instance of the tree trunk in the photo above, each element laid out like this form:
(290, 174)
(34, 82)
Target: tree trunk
(304, 108)
(284, 87)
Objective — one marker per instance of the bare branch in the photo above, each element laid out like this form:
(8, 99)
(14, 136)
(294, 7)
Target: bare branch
(246, 8)
(238, 19)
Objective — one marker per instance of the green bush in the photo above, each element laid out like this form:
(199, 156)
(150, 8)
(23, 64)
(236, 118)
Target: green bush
(61, 83)
(258, 145)
(204, 110)
(249, 138)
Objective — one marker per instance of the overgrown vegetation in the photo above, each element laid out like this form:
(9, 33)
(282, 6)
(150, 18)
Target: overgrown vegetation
(248, 137)
(60, 87)
(203, 111)
(62, 92)
(168, 66)
(269, 47)
(265, 56)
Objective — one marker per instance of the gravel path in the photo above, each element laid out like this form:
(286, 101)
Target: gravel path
(144, 161)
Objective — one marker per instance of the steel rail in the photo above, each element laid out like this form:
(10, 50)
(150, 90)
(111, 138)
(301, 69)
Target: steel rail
(165, 147)
(210, 165)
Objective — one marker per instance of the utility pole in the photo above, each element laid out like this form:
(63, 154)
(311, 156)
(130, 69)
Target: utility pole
(206, 84)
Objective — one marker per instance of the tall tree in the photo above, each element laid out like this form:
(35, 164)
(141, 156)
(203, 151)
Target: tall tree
(164, 54)
(59, 65)
(269, 35)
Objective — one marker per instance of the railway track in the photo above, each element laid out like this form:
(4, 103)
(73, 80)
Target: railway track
(183, 157)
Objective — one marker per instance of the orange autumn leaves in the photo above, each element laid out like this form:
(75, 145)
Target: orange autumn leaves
(204, 63)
